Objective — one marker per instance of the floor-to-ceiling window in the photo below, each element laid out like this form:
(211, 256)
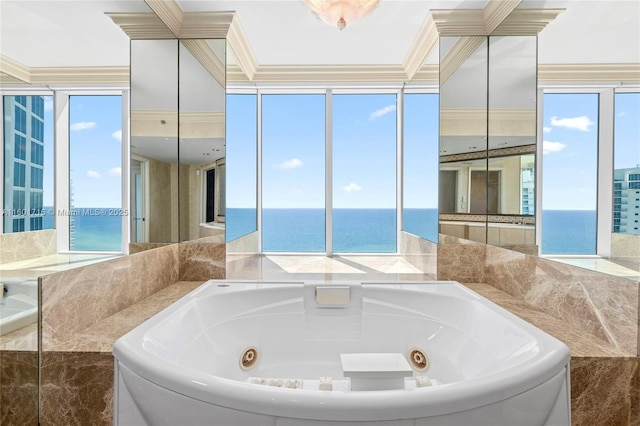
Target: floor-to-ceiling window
(420, 165)
(95, 170)
(28, 163)
(626, 178)
(364, 173)
(570, 173)
(293, 173)
(241, 165)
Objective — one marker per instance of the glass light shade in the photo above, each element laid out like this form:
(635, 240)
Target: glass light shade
(341, 12)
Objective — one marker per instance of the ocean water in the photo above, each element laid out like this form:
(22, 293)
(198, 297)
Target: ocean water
(355, 230)
(93, 229)
(373, 230)
(569, 231)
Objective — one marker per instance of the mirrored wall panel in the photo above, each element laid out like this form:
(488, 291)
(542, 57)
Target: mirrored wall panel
(154, 142)
(201, 132)
(464, 197)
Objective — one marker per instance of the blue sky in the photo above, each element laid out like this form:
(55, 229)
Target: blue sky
(364, 150)
(570, 147)
(95, 133)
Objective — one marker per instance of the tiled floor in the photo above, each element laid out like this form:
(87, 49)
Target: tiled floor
(319, 267)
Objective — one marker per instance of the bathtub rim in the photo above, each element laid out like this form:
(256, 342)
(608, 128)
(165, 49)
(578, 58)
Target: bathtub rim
(336, 406)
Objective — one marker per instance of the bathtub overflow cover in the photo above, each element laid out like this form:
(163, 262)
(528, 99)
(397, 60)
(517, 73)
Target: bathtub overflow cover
(418, 359)
(249, 358)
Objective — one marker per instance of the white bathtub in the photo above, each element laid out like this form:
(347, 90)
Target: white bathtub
(487, 366)
(19, 304)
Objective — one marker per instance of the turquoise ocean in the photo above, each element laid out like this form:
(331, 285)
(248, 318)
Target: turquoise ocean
(355, 230)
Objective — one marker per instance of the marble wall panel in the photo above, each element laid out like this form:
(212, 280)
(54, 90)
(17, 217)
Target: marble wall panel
(74, 300)
(18, 388)
(76, 389)
(27, 245)
(138, 247)
(420, 253)
(605, 306)
(203, 259)
(604, 391)
(461, 262)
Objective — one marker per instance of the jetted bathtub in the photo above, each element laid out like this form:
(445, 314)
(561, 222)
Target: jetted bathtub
(18, 304)
(324, 353)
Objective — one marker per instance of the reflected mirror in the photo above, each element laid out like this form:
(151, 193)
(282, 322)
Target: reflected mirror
(201, 133)
(463, 138)
(154, 143)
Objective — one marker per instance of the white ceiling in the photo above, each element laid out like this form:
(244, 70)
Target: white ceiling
(53, 33)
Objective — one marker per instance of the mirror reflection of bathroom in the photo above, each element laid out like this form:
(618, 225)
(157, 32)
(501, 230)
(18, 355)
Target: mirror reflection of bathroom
(463, 193)
(202, 147)
(154, 143)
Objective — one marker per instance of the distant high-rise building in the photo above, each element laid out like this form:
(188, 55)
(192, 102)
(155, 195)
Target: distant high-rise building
(23, 163)
(528, 183)
(626, 201)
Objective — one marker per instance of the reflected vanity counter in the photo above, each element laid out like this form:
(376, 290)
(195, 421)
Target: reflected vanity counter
(211, 229)
(501, 234)
(316, 353)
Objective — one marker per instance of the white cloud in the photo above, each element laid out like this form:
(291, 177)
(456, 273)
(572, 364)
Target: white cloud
(352, 187)
(546, 129)
(294, 163)
(48, 103)
(93, 174)
(581, 123)
(117, 135)
(82, 125)
(115, 171)
(382, 111)
(622, 114)
(549, 147)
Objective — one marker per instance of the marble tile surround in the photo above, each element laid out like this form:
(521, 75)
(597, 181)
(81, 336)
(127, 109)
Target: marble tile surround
(203, 259)
(26, 245)
(420, 253)
(18, 388)
(605, 306)
(602, 305)
(73, 300)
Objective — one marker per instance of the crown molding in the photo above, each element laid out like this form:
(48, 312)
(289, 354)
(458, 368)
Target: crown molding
(206, 25)
(169, 12)
(428, 73)
(461, 50)
(422, 47)
(463, 22)
(496, 11)
(201, 125)
(204, 54)
(8, 79)
(80, 75)
(149, 123)
(141, 26)
(329, 73)
(588, 73)
(526, 22)
(14, 69)
(241, 49)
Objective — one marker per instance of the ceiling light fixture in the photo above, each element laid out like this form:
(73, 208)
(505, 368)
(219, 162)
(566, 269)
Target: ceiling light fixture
(341, 12)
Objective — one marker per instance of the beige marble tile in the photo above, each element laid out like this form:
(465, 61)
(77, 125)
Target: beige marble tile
(461, 262)
(101, 336)
(18, 388)
(605, 306)
(203, 259)
(27, 245)
(244, 244)
(604, 391)
(76, 389)
(71, 301)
